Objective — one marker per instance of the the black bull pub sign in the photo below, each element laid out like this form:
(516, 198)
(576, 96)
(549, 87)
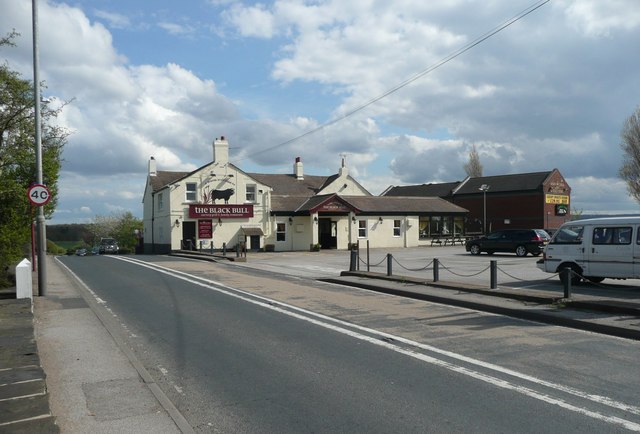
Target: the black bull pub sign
(197, 211)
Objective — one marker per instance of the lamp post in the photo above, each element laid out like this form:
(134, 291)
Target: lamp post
(483, 188)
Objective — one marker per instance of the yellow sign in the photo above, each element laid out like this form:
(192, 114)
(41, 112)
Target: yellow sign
(557, 199)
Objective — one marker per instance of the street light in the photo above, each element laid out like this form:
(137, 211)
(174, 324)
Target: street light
(483, 188)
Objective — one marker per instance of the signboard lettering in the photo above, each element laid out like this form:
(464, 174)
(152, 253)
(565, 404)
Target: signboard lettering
(205, 229)
(333, 207)
(557, 199)
(197, 211)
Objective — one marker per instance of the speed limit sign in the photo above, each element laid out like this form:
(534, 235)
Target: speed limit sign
(39, 194)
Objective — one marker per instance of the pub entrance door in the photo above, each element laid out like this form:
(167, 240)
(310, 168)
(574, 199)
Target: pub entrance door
(328, 233)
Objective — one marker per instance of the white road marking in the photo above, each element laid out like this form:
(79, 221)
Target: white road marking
(307, 315)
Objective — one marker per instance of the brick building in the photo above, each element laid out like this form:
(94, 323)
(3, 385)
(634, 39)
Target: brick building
(524, 200)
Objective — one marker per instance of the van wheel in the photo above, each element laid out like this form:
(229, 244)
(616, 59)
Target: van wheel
(575, 275)
(521, 251)
(595, 279)
(474, 249)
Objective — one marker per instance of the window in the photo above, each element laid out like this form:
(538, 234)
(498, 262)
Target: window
(568, 235)
(609, 235)
(396, 228)
(160, 202)
(423, 227)
(362, 229)
(191, 192)
(281, 231)
(250, 195)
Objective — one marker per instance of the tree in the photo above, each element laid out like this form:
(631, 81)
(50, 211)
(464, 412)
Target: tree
(121, 226)
(473, 167)
(630, 170)
(18, 161)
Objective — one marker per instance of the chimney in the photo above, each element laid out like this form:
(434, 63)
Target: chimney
(221, 151)
(344, 170)
(152, 167)
(297, 169)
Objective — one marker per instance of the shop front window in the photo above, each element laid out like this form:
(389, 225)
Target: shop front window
(435, 225)
(423, 227)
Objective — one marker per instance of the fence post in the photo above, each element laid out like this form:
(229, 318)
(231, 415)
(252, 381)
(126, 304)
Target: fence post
(494, 274)
(436, 269)
(567, 281)
(224, 249)
(353, 260)
(389, 264)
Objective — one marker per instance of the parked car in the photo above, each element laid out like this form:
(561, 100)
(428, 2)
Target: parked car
(518, 241)
(108, 245)
(81, 252)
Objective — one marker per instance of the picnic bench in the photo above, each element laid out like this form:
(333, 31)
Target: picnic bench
(448, 240)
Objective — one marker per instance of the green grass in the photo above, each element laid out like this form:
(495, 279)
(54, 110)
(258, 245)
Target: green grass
(70, 244)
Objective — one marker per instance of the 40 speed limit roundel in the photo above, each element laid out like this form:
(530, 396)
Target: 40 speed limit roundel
(39, 194)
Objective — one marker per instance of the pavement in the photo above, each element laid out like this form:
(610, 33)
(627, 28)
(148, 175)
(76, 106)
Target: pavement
(62, 369)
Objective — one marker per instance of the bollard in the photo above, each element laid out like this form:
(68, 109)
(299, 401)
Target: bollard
(24, 284)
(494, 274)
(567, 281)
(353, 261)
(224, 249)
(436, 270)
(389, 264)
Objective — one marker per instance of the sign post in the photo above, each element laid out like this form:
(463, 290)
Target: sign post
(39, 195)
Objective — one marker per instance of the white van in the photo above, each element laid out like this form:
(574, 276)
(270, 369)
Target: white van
(595, 249)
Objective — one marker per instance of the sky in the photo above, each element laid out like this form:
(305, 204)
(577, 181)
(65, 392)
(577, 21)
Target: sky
(163, 78)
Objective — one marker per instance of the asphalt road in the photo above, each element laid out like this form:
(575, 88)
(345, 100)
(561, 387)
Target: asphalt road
(248, 350)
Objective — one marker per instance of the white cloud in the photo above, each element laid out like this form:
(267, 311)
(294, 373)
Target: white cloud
(254, 21)
(176, 29)
(598, 18)
(551, 91)
(116, 21)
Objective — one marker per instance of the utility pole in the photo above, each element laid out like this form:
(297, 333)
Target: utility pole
(42, 231)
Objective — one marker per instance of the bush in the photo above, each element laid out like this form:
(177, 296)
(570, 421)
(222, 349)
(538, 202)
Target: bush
(54, 249)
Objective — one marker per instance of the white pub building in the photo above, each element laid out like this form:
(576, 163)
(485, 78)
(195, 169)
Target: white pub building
(220, 204)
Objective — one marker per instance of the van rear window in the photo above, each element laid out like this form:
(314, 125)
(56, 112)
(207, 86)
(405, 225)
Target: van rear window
(568, 235)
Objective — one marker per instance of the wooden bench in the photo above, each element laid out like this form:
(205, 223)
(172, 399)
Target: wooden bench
(436, 240)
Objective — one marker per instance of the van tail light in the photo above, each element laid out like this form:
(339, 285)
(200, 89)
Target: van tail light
(537, 238)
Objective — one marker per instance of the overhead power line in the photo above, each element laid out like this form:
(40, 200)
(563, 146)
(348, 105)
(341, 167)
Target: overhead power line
(480, 39)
